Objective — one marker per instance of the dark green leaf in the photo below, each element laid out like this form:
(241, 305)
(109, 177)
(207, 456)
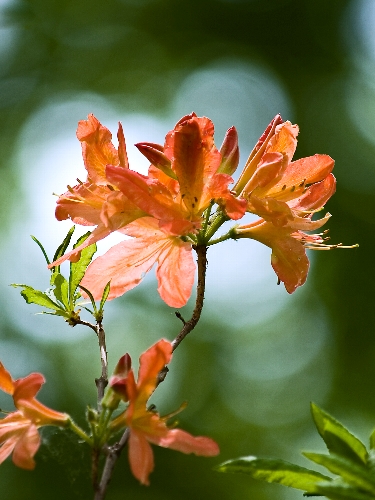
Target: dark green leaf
(338, 490)
(337, 438)
(106, 290)
(91, 298)
(78, 269)
(275, 471)
(37, 297)
(42, 248)
(353, 473)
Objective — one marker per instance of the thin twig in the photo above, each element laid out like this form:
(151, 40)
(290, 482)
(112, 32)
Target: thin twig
(102, 381)
(114, 453)
(191, 324)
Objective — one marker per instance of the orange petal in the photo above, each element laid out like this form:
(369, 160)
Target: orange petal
(150, 363)
(288, 258)
(301, 172)
(26, 447)
(316, 196)
(195, 160)
(230, 153)
(97, 148)
(141, 457)
(41, 414)
(148, 194)
(28, 387)
(123, 157)
(6, 381)
(175, 273)
(98, 234)
(179, 440)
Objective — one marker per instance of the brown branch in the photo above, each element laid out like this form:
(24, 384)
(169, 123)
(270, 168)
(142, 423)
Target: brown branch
(191, 324)
(113, 454)
(102, 381)
(201, 285)
(114, 451)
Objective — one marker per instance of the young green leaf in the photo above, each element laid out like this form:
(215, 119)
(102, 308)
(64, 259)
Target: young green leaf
(37, 297)
(337, 437)
(60, 252)
(78, 269)
(275, 471)
(338, 490)
(353, 473)
(91, 299)
(61, 289)
(42, 248)
(106, 291)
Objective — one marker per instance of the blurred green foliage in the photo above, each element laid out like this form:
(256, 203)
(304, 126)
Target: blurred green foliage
(136, 54)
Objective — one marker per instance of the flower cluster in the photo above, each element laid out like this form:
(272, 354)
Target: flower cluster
(168, 212)
(145, 425)
(19, 429)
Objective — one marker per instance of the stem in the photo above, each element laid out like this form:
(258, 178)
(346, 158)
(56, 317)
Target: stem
(201, 285)
(102, 381)
(218, 221)
(114, 453)
(82, 434)
(231, 234)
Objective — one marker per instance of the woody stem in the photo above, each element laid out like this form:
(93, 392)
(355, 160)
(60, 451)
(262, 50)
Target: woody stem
(191, 324)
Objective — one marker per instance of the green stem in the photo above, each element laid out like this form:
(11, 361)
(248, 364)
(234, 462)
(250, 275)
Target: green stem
(216, 223)
(227, 236)
(82, 434)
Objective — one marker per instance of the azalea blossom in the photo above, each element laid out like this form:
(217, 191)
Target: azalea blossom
(187, 175)
(19, 429)
(96, 202)
(145, 425)
(285, 194)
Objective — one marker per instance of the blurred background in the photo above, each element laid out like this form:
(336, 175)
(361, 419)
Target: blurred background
(259, 355)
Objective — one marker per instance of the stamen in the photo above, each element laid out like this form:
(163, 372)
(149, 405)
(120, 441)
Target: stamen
(302, 183)
(292, 189)
(283, 188)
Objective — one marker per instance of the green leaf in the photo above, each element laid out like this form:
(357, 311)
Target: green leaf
(106, 290)
(275, 471)
(78, 269)
(42, 248)
(37, 297)
(91, 298)
(61, 289)
(60, 252)
(337, 437)
(356, 475)
(338, 490)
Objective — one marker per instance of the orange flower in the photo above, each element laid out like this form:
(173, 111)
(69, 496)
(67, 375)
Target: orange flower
(285, 194)
(186, 176)
(19, 429)
(147, 426)
(278, 189)
(96, 202)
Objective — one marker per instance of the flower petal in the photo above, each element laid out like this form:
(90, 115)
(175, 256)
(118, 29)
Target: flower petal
(150, 363)
(141, 457)
(6, 381)
(97, 148)
(316, 195)
(195, 160)
(175, 273)
(28, 387)
(301, 172)
(179, 440)
(26, 447)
